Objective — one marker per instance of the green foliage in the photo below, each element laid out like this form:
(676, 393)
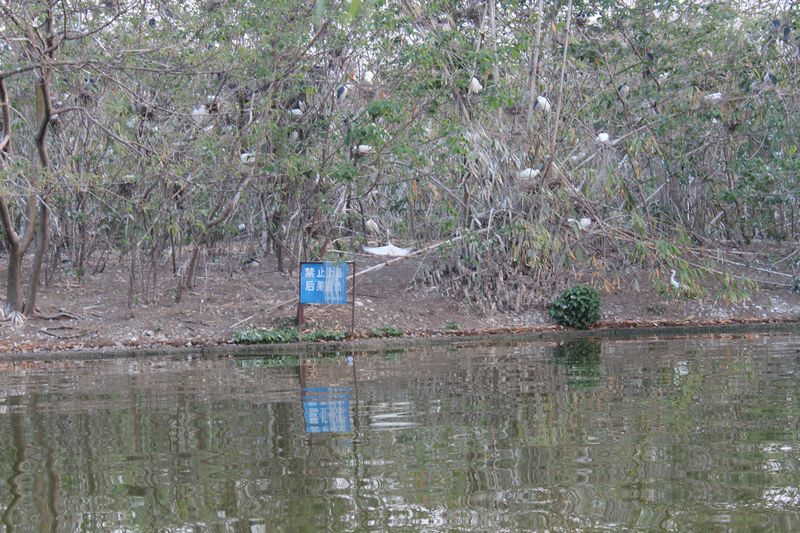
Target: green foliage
(452, 326)
(266, 336)
(577, 307)
(387, 331)
(285, 335)
(323, 335)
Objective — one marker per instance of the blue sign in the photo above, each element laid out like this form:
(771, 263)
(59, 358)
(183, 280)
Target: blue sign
(326, 409)
(323, 283)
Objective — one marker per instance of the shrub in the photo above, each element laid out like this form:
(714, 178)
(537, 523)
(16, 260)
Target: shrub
(284, 335)
(323, 335)
(577, 307)
(266, 336)
(387, 331)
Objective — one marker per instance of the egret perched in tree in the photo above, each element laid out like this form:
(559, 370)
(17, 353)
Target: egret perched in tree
(582, 223)
(362, 149)
(528, 173)
(372, 227)
(624, 90)
(475, 86)
(341, 92)
(542, 104)
(674, 282)
(369, 76)
(602, 137)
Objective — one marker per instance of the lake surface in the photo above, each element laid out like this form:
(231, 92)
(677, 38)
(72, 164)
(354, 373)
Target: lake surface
(685, 434)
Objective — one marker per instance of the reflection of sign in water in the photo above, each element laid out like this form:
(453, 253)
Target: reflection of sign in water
(327, 409)
(323, 283)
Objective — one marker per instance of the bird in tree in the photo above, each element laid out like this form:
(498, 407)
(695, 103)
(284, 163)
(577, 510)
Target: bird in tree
(623, 91)
(542, 104)
(475, 86)
(674, 282)
(341, 93)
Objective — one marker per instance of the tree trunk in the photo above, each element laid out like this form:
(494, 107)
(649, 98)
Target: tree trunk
(38, 258)
(14, 280)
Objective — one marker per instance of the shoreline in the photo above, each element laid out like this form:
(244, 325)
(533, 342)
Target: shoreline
(217, 348)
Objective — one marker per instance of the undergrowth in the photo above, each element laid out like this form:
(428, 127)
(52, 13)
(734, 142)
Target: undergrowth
(285, 335)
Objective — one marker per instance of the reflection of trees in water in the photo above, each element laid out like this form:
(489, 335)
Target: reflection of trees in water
(581, 361)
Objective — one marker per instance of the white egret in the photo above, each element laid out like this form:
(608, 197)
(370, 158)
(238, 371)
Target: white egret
(674, 282)
(372, 227)
(475, 86)
(528, 173)
(583, 223)
(542, 104)
(363, 149)
(602, 137)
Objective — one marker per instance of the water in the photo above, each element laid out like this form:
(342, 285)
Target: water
(693, 434)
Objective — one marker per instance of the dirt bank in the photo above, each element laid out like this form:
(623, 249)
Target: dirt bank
(93, 314)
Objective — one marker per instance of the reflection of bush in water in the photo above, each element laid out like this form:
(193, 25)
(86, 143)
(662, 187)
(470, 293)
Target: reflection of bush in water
(581, 361)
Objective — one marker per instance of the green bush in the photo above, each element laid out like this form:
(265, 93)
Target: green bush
(266, 336)
(387, 331)
(577, 307)
(284, 335)
(323, 335)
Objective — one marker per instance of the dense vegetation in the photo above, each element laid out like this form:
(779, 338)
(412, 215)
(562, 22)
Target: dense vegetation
(526, 135)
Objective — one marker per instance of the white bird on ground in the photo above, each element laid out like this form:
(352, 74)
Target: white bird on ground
(583, 223)
(713, 97)
(363, 149)
(542, 104)
(528, 173)
(369, 76)
(602, 137)
(475, 86)
(388, 250)
(241, 227)
(674, 282)
(247, 158)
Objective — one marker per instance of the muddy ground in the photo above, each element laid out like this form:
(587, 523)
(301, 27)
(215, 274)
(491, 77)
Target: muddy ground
(94, 313)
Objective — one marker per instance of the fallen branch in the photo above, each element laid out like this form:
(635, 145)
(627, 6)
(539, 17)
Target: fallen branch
(62, 314)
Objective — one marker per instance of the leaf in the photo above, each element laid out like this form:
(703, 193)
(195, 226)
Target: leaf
(354, 9)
